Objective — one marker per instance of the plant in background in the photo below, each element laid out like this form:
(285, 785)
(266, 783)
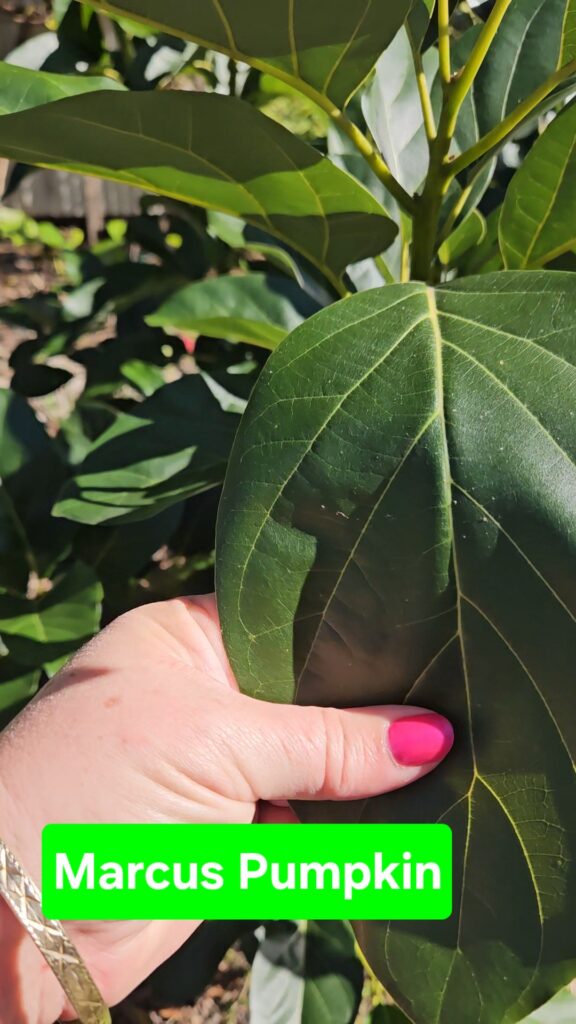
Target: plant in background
(397, 522)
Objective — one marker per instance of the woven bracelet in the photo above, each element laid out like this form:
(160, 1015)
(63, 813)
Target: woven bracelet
(61, 955)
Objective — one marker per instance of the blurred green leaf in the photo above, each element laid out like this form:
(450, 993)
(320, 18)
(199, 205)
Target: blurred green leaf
(306, 973)
(31, 473)
(257, 308)
(22, 89)
(38, 379)
(17, 686)
(144, 376)
(45, 631)
(171, 446)
(560, 1010)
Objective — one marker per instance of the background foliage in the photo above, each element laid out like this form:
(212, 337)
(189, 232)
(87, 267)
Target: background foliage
(278, 163)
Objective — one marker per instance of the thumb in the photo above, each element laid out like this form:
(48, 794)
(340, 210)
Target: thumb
(308, 753)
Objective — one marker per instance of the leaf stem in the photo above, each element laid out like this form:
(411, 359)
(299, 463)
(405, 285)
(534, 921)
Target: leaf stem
(501, 132)
(423, 90)
(384, 270)
(455, 212)
(377, 164)
(444, 41)
(464, 80)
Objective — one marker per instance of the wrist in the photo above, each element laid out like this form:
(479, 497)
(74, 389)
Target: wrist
(29, 992)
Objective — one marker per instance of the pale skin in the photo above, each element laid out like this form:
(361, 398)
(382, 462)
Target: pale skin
(146, 724)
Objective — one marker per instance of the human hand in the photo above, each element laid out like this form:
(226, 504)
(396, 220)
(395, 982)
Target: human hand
(146, 724)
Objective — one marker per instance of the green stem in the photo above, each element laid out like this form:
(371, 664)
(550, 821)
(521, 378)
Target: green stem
(430, 203)
(464, 81)
(126, 46)
(423, 90)
(499, 135)
(444, 41)
(384, 270)
(455, 213)
(372, 157)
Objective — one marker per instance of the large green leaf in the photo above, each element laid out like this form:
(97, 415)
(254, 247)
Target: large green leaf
(538, 220)
(306, 973)
(21, 89)
(398, 524)
(327, 47)
(171, 446)
(257, 308)
(178, 144)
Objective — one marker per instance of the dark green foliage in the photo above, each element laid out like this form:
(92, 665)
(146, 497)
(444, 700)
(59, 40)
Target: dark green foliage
(397, 521)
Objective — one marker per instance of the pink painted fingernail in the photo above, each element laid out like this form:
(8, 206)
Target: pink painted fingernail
(420, 739)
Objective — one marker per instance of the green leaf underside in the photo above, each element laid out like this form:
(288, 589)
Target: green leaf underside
(21, 89)
(257, 308)
(538, 220)
(308, 974)
(398, 524)
(330, 46)
(178, 144)
(173, 445)
(393, 111)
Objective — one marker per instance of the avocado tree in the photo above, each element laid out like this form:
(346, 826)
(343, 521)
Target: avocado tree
(398, 517)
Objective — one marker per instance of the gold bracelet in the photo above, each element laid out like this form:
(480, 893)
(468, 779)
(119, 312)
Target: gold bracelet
(61, 955)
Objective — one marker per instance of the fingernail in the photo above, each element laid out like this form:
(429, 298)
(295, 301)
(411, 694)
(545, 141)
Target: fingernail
(420, 739)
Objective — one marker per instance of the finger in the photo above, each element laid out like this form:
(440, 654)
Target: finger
(309, 753)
